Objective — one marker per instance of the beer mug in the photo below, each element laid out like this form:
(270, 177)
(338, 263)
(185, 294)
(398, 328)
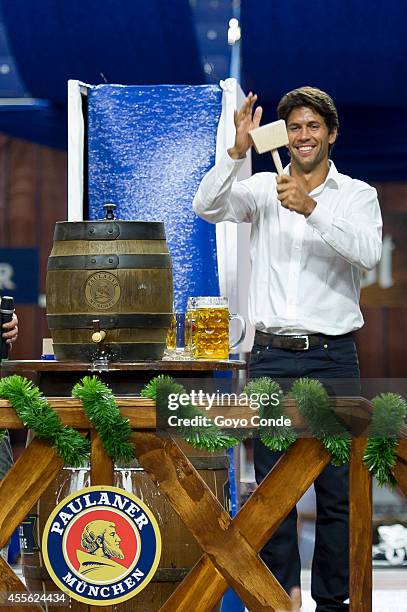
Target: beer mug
(176, 335)
(210, 328)
(171, 335)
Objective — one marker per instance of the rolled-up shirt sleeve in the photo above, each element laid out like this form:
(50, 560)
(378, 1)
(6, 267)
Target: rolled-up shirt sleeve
(357, 237)
(221, 198)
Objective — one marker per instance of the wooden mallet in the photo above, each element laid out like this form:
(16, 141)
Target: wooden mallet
(270, 137)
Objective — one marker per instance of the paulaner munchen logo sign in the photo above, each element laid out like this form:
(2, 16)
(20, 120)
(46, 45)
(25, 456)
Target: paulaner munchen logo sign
(101, 545)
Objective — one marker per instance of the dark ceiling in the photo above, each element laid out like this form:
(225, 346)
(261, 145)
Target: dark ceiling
(353, 49)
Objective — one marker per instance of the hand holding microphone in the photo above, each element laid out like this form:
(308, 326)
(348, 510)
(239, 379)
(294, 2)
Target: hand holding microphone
(9, 325)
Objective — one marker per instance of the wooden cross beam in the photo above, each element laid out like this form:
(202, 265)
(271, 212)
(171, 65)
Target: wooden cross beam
(360, 530)
(24, 484)
(230, 546)
(211, 525)
(10, 583)
(400, 469)
(20, 489)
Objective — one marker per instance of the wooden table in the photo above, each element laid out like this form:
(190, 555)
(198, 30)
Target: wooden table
(56, 378)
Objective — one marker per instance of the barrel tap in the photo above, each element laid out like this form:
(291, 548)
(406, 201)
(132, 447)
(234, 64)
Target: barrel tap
(100, 356)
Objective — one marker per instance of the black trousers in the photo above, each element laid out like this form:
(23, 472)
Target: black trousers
(335, 363)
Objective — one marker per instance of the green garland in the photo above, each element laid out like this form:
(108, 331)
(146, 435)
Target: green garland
(275, 438)
(209, 438)
(313, 405)
(99, 405)
(380, 453)
(101, 409)
(36, 414)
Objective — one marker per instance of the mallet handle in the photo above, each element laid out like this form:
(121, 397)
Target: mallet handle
(277, 161)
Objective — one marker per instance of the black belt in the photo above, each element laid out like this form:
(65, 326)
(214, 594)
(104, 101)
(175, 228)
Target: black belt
(294, 343)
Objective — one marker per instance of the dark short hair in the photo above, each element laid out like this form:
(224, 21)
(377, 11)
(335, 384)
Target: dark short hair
(313, 98)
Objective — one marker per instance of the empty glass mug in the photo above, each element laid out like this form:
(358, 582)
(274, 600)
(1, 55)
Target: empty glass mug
(176, 335)
(210, 319)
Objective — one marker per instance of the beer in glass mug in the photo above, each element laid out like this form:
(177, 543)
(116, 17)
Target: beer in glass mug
(210, 325)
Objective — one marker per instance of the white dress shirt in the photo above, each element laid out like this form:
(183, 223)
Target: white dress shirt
(305, 271)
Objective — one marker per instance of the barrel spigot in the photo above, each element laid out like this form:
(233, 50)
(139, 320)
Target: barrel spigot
(98, 334)
(109, 211)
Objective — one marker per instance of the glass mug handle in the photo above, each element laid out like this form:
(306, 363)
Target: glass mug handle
(233, 345)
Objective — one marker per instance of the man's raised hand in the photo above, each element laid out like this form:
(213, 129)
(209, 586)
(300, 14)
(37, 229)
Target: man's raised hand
(245, 120)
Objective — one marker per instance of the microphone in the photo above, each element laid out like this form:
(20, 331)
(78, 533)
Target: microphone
(6, 314)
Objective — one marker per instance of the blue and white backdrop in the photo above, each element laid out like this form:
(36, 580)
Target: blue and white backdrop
(147, 149)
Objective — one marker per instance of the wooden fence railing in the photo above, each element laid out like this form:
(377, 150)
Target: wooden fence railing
(230, 545)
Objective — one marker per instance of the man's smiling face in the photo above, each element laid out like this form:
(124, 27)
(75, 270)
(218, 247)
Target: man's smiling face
(308, 138)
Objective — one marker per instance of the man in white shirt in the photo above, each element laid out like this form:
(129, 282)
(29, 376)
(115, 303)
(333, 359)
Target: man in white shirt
(313, 231)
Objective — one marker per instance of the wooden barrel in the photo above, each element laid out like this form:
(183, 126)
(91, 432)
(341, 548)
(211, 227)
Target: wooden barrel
(113, 275)
(180, 550)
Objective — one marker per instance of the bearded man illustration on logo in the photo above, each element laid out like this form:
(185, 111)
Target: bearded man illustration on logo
(101, 542)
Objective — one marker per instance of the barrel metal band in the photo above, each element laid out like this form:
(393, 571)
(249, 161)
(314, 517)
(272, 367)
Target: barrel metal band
(109, 230)
(85, 321)
(213, 462)
(126, 351)
(109, 262)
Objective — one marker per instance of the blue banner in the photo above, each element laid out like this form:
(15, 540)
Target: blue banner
(148, 149)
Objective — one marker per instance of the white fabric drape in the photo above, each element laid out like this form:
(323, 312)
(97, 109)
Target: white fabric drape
(233, 240)
(75, 151)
